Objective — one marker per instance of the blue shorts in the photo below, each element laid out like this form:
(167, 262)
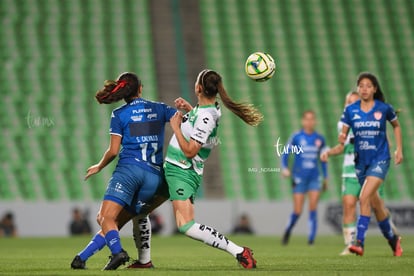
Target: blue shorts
(378, 169)
(303, 185)
(132, 186)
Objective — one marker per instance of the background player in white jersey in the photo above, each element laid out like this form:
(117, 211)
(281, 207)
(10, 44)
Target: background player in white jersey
(195, 134)
(367, 118)
(350, 185)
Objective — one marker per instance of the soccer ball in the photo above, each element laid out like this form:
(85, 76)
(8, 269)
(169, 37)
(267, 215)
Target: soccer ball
(260, 66)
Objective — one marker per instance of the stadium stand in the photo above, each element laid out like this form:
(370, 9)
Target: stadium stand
(319, 47)
(56, 54)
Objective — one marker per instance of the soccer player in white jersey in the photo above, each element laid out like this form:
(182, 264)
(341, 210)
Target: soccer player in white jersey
(195, 134)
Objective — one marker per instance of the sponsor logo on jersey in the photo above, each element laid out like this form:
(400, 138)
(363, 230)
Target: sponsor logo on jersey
(377, 115)
(367, 124)
(318, 143)
(141, 110)
(356, 117)
(136, 118)
(152, 116)
(364, 145)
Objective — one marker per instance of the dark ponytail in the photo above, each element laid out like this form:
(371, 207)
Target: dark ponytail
(126, 88)
(212, 85)
(379, 95)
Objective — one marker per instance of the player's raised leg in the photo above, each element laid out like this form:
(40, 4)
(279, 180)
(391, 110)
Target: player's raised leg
(184, 214)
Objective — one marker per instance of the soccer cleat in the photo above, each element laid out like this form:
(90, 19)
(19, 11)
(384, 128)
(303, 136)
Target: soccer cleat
(77, 263)
(137, 264)
(246, 259)
(357, 248)
(116, 260)
(285, 239)
(345, 252)
(395, 244)
(311, 242)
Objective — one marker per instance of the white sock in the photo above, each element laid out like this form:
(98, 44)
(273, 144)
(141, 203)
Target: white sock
(349, 233)
(142, 238)
(212, 237)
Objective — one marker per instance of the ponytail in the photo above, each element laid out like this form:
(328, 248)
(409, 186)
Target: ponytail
(245, 111)
(212, 85)
(126, 88)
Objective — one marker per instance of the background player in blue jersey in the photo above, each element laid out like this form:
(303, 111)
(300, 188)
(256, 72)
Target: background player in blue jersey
(306, 146)
(367, 118)
(138, 126)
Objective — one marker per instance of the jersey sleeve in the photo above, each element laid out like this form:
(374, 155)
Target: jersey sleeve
(391, 115)
(203, 127)
(345, 118)
(168, 111)
(116, 126)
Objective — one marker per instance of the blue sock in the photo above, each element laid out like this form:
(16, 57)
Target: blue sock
(362, 227)
(292, 221)
(313, 225)
(113, 241)
(386, 229)
(97, 243)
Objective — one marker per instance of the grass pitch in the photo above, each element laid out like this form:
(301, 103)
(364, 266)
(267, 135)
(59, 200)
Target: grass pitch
(179, 255)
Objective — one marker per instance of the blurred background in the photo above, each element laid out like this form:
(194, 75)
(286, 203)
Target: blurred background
(55, 54)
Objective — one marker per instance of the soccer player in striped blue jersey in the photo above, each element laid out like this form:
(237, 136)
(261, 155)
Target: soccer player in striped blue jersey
(367, 118)
(306, 145)
(137, 126)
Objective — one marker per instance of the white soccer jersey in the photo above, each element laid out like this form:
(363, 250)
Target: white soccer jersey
(200, 124)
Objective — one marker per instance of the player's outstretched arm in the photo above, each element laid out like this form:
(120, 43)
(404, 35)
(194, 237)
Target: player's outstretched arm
(109, 155)
(343, 134)
(338, 149)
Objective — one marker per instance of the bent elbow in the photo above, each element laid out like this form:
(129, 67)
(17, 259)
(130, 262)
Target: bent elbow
(112, 153)
(190, 154)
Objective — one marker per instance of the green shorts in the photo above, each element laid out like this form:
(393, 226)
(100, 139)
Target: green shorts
(182, 183)
(351, 186)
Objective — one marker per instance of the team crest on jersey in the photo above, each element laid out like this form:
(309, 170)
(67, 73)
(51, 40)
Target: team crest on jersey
(377, 115)
(318, 143)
